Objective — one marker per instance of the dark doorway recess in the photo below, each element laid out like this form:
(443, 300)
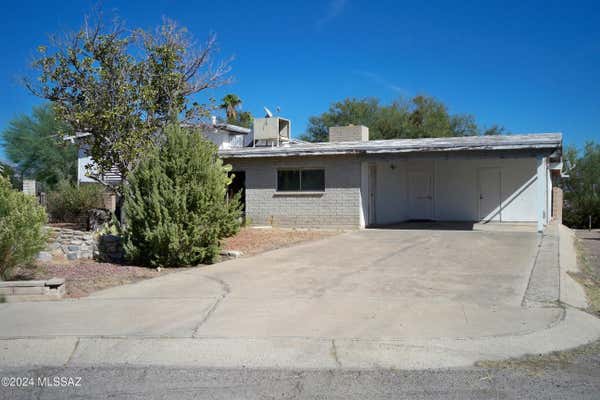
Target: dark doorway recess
(238, 185)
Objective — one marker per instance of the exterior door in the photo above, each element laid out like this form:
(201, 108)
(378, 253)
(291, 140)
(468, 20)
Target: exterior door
(238, 185)
(489, 194)
(372, 191)
(420, 195)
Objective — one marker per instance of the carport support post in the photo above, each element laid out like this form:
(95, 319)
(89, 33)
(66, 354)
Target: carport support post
(541, 192)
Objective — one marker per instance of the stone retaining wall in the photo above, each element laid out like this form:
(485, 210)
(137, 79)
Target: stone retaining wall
(74, 244)
(70, 243)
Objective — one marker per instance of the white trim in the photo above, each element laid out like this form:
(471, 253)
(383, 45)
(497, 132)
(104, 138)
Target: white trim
(364, 195)
(540, 192)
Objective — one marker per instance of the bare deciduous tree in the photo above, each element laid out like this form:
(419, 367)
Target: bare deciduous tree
(124, 86)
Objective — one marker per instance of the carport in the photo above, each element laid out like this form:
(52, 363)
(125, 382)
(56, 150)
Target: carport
(491, 185)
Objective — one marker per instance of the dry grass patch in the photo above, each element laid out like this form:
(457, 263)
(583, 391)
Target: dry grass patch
(251, 241)
(587, 245)
(537, 364)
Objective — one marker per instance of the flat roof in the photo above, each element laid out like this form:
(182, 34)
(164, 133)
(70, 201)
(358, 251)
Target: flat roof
(538, 141)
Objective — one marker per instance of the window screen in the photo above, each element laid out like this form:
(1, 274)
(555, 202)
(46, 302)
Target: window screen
(296, 180)
(288, 180)
(312, 180)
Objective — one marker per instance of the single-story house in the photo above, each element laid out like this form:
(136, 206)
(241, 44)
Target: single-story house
(352, 182)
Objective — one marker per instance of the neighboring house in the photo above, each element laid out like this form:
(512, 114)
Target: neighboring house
(227, 136)
(224, 135)
(351, 182)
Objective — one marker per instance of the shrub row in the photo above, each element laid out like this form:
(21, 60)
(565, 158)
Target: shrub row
(68, 203)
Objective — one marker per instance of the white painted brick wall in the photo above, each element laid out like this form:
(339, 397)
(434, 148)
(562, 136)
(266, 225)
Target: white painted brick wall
(337, 207)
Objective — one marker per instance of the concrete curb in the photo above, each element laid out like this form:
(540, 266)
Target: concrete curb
(577, 328)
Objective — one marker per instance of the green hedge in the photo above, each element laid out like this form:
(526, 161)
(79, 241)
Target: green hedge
(69, 202)
(22, 233)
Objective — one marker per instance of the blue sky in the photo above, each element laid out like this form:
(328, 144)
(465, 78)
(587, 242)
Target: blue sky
(530, 66)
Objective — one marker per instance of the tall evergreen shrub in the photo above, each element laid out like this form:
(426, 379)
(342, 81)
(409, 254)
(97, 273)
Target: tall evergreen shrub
(176, 210)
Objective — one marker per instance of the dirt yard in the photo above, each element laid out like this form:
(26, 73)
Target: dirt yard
(86, 276)
(588, 248)
(251, 241)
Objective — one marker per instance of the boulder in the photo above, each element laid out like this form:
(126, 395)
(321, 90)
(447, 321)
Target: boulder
(110, 249)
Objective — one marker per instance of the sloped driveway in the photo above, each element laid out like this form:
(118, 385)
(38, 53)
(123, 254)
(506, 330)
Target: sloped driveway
(371, 284)
(402, 299)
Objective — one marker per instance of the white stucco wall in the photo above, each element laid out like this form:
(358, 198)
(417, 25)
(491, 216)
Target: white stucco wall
(455, 188)
(83, 159)
(228, 141)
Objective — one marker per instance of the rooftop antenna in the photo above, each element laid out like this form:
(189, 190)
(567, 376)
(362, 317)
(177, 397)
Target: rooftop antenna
(277, 110)
(268, 112)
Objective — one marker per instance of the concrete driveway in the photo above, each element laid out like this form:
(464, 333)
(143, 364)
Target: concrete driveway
(371, 283)
(371, 286)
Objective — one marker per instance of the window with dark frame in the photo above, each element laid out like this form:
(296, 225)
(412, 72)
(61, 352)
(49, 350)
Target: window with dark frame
(301, 180)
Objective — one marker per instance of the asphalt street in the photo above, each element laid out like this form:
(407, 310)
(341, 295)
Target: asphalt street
(578, 380)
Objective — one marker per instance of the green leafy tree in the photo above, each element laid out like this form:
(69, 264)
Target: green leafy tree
(463, 125)
(22, 233)
(125, 85)
(582, 188)
(244, 119)
(35, 144)
(176, 210)
(10, 173)
(421, 116)
(494, 130)
(429, 118)
(345, 112)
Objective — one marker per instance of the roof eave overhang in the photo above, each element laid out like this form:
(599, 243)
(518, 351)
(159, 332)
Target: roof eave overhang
(260, 153)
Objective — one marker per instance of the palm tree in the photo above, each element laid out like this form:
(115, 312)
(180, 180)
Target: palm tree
(230, 103)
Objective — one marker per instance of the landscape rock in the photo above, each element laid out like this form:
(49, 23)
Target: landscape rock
(110, 249)
(231, 253)
(53, 246)
(97, 217)
(44, 256)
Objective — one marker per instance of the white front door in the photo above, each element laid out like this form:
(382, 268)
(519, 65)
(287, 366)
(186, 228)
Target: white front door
(372, 191)
(420, 195)
(489, 194)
